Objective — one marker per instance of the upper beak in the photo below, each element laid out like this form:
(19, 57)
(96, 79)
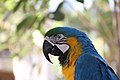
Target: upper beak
(47, 49)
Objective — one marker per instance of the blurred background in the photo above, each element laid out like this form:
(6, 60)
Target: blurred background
(23, 24)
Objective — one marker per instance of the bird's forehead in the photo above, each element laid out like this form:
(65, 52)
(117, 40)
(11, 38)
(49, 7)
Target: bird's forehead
(60, 30)
(68, 32)
(56, 37)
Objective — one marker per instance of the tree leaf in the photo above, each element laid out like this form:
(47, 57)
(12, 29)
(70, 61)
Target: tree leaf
(41, 21)
(26, 23)
(17, 6)
(57, 15)
(82, 1)
(24, 6)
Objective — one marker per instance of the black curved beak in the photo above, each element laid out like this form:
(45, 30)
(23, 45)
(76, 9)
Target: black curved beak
(48, 48)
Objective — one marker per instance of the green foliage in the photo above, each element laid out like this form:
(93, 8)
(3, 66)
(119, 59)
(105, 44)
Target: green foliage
(41, 21)
(57, 15)
(26, 23)
(17, 6)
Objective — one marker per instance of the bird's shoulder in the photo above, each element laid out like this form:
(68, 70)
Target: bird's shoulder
(89, 67)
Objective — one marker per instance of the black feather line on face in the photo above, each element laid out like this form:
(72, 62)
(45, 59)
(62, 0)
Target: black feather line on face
(64, 58)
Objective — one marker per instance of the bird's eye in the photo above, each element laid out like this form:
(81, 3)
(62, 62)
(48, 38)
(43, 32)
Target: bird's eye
(60, 38)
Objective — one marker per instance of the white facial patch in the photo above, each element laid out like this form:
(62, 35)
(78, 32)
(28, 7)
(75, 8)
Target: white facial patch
(47, 39)
(58, 41)
(63, 47)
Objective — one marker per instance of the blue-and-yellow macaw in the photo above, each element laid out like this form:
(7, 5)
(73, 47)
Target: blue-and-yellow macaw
(77, 55)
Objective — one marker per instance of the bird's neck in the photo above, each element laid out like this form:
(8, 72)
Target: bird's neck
(89, 49)
(87, 45)
(69, 68)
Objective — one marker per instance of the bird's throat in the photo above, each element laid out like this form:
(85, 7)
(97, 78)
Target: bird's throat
(69, 68)
(74, 53)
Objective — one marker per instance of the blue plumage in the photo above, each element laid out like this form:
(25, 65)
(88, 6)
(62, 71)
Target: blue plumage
(90, 65)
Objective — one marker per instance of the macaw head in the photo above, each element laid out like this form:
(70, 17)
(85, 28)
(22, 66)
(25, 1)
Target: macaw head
(61, 40)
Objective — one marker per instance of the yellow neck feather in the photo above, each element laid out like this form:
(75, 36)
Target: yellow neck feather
(75, 52)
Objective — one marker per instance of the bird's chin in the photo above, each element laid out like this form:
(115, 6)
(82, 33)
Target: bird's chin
(63, 58)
